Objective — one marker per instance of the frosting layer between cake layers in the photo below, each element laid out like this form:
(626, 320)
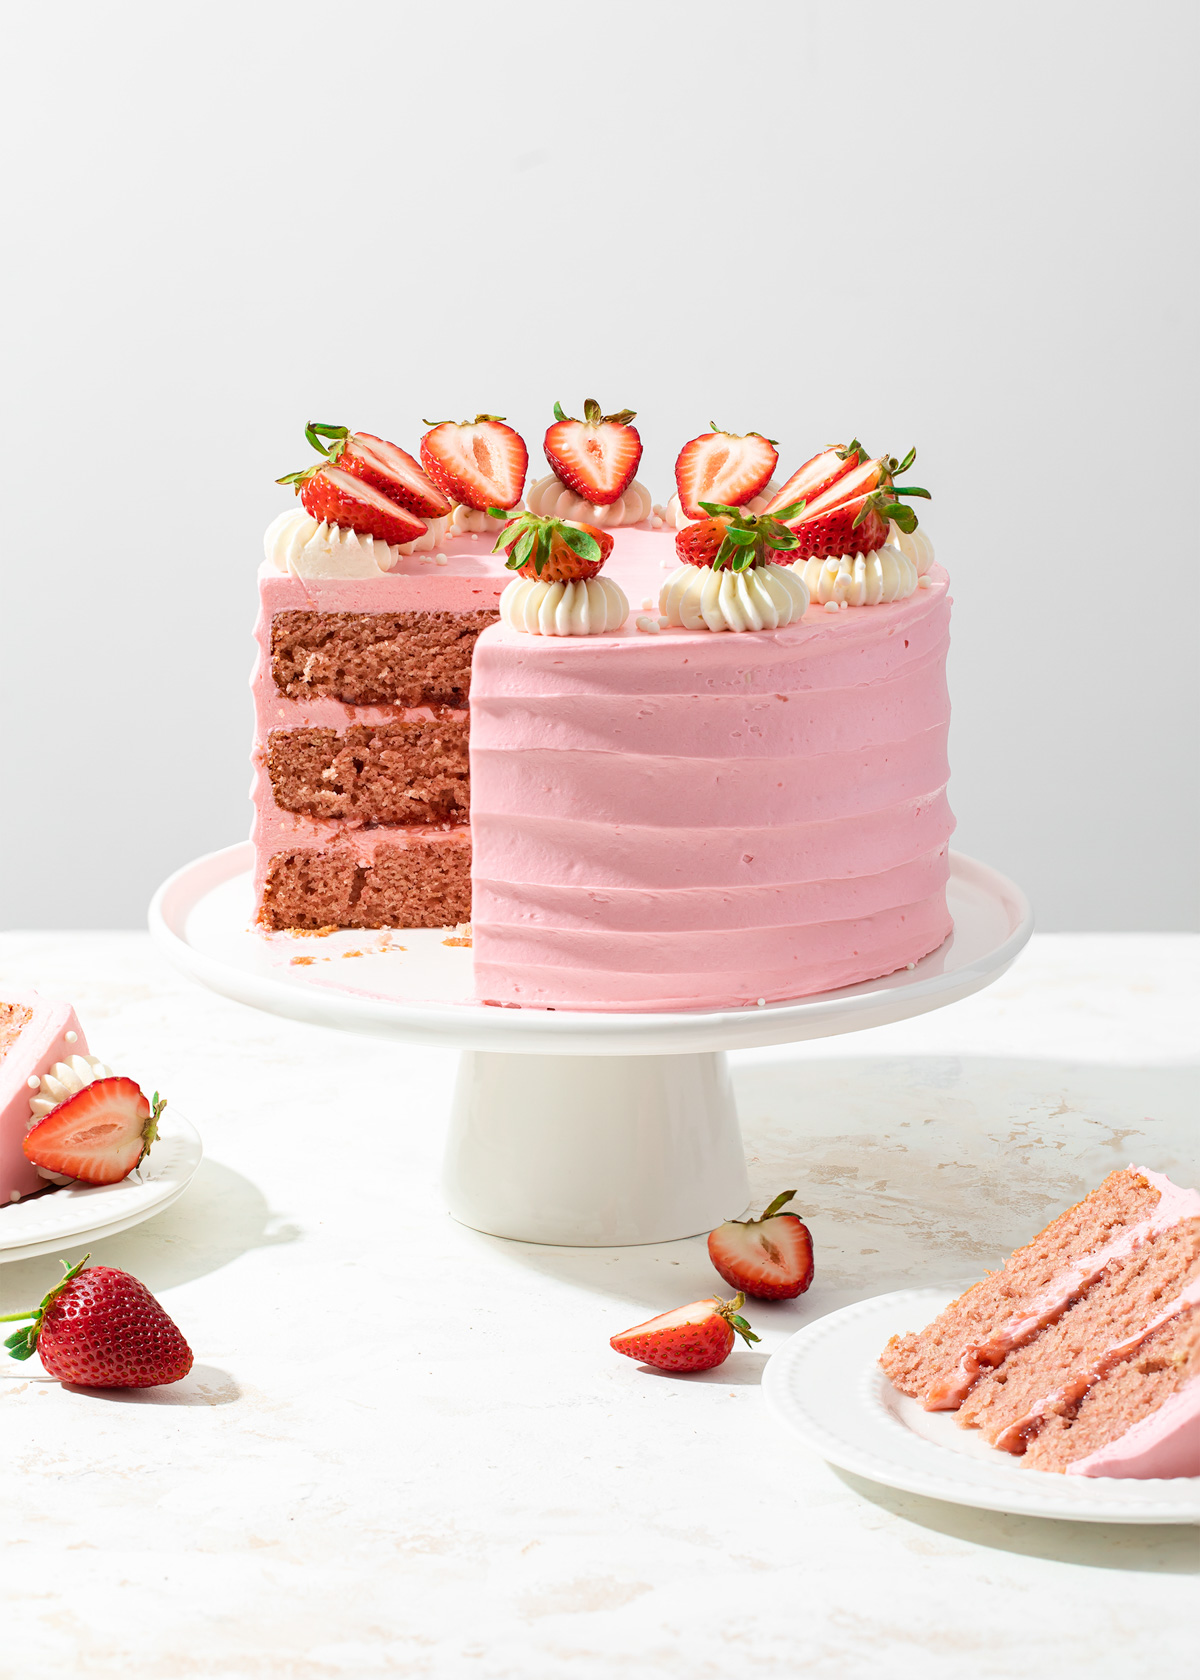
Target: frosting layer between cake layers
(693, 820)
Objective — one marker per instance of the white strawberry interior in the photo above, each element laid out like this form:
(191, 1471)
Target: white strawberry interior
(728, 469)
(856, 483)
(601, 454)
(696, 1312)
(358, 490)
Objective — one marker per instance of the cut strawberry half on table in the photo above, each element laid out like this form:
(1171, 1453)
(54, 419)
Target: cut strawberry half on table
(552, 550)
(341, 499)
(102, 1328)
(815, 476)
(770, 1257)
(481, 463)
(852, 515)
(384, 466)
(597, 456)
(99, 1134)
(692, 1338)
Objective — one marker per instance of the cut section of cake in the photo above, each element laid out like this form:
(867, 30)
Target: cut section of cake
(1082, 1354)
(36, 1035)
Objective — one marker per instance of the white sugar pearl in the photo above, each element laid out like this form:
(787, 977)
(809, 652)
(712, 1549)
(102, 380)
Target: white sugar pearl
(71, 1037)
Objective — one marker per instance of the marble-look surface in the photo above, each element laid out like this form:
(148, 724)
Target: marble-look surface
(406, 1449)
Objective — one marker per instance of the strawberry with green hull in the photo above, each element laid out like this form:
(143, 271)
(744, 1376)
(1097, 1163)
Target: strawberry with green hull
(723, 467)
(730, 537)
(554, 550)
(596, 457)
(852, 515)
(99, 1134)
(101, 1328)
(365, 484)
(692, 1338)
(481, 463)
(770, 1257)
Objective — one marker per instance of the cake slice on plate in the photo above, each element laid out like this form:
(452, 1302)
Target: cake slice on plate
(36, 1035)
(1082, 1354)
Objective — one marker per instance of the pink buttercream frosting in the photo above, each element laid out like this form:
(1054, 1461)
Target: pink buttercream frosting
(1166, 1444)
(52, 1034)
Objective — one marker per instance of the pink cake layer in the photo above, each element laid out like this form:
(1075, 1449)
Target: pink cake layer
(770, 805)
(41, 1042)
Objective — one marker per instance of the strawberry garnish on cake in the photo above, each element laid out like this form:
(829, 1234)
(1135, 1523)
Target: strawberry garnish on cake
(365, 484)
(99, 1134)
(552, 550)
(596, 457)
(815, 476)
(723, 467)
(692, 1338)
(732, 538)
(851, 515)
(481, 463)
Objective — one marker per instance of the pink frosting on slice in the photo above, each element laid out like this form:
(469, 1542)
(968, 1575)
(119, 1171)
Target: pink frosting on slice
(42, 1042)
(1166, 1444)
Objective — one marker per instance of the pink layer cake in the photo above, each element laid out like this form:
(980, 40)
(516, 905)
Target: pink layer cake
(35, 1034)
(652, 817)
(1082, 1354)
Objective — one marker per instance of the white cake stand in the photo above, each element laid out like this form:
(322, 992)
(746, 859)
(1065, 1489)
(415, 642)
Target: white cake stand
(585, 1129)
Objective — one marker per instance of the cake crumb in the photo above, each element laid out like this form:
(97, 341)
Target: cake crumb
(295, 960)
(313, 933)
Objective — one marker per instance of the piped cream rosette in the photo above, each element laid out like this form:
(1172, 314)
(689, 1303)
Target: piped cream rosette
(553, 499)
(860, 580)
(310, 548)
(762, 597)
(553, 605)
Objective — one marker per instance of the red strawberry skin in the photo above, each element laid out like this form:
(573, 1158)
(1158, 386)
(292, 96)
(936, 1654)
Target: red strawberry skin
(597, 462)
(771, 1259)
(97, 1136)
(345, 500)
(722, 467)
(393, 471)
(106, 1330)
(698, 544)
(564, 565)
(481, 463)
(699, 1344)
(826, 527)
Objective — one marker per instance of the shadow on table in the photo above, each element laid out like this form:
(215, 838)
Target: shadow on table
(1144, 1548)
(204, 1385)
(220, 1216)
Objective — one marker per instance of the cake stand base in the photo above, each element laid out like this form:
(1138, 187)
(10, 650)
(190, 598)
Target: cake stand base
(594, 1151)
(568, 1127)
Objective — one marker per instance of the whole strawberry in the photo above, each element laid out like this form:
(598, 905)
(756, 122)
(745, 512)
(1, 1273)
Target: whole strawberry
(101, 1328)
(692, 1338)
(553, 550)
(770, 1257)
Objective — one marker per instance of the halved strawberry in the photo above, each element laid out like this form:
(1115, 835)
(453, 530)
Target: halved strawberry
(338, 497)
(387, 468)
(481, 462)
(735, 539)
(393, 471)
(596, 456)
(815, 476)
(851, 516)
(554, 550)
(770, 1257)
(692, 1338)
(723, 467)
(98, 1135)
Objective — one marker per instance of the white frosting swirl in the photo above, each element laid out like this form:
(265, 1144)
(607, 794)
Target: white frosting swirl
(465, 521)
(594, 607)
(915, 544)
(860, 580)
(551, 498)
(62, 1081)
(308, 548)
(673, 514)
(759, 598)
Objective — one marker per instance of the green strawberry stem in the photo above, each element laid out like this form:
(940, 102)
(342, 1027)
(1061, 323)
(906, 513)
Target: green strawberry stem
(23, 1345)
(781, 1200)
(532, 532)
(314, 432)
(730, 1311)
(748, 536)
(593, 417)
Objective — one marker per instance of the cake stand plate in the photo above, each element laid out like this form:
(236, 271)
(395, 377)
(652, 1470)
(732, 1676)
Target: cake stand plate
(592, 1129)
(84, 1213)
(825, 1385)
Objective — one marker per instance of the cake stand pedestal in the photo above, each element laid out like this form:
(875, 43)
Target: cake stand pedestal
(583, 1129)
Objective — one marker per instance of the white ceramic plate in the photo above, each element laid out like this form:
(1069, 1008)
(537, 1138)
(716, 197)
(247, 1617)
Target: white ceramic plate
(84, 1213)
(826, 1385)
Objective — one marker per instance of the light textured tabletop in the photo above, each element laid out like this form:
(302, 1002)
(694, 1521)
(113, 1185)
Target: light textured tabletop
(406, 1449)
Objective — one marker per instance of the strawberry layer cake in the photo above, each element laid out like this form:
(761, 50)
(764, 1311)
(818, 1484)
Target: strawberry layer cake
(1082, 1354)
(732, 791)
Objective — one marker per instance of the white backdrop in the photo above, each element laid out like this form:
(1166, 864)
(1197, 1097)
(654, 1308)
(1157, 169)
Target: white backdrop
(960, 226)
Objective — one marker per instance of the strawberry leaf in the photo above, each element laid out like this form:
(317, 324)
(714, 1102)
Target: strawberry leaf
(523, 549)
(791, 511)
(23, 1343)
(908, 490)
(580, 542)
(558, 413)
